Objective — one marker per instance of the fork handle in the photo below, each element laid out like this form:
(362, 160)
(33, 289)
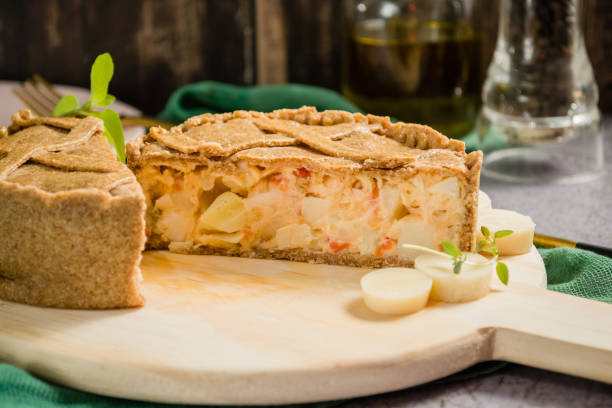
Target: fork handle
(145, 121)
(595, 248)
(553, 242)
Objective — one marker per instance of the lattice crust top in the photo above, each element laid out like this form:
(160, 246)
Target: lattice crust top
(329, 138)
(58, 154)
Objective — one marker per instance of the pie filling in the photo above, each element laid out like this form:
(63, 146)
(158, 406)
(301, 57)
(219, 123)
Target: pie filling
(288, 207)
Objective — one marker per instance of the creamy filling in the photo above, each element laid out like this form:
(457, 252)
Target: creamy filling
(294, 207)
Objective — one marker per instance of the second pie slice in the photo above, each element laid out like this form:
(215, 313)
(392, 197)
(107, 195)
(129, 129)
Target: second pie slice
(332, 187)
(71, 216)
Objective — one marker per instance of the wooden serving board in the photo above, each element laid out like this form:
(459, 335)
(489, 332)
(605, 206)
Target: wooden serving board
(220, 330)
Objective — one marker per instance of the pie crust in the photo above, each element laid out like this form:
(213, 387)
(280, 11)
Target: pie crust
(72, 216)
(381, 184)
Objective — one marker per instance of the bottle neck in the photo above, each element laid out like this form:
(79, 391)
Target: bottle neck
(540, 67)
(536, 30)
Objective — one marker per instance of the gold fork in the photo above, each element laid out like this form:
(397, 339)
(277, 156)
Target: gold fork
(41, 97)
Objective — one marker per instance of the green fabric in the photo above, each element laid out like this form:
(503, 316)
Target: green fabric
(579, 273)
(492, 141)
(571, 271)
(215, 97)
(19, 389)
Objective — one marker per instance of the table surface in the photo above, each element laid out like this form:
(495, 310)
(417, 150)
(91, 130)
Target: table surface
(579, 212)
(573, 211)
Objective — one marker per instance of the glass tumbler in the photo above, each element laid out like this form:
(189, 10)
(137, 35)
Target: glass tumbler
(415, 60)
(539, 121)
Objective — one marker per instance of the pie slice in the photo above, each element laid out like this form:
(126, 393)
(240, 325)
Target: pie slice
(72, 216)
(330, 187)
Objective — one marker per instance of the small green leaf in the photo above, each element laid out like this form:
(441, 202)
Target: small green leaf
(451, 249)
(502, 272)
(502, 233)
(480, 245)
(457, 267)
(66, 105)
(107, 101)
(485, 231)
(101, 74)
(491, 250)
(113, 131)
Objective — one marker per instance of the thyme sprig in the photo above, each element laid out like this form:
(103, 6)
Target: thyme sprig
(458, 257)
(488, 244)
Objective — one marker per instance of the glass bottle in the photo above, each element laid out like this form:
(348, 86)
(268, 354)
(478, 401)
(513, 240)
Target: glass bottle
(540, 117)
(415, 60)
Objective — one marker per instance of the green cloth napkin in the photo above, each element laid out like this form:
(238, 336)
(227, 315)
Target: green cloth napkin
(215, 97)
(571, 271)
(579, 273)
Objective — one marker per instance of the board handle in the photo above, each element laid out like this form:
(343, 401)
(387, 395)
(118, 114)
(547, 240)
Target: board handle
(557, 332)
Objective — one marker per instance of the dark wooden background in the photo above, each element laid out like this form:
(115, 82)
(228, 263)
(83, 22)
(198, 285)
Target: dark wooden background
(159, 45)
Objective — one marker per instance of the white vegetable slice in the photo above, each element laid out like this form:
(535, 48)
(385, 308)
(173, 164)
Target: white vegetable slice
(220, 239)
(473, 282)
(391, 201)
(395, 290)
(413, 230)
(176, 226)
(225, 214)
(448, 186)
(484, 201)
(315, 210)
(243, 179)
(523, 227)
(294, 236)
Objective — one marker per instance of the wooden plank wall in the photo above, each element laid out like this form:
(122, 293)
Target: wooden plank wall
(159, 45)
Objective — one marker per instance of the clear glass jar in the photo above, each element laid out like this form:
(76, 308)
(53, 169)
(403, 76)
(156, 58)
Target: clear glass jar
(540, 97)
(415, 60)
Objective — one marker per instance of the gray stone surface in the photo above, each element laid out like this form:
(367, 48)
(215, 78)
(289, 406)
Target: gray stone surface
(512, 387)
(580, 212)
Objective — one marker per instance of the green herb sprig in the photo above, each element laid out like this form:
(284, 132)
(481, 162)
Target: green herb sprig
(488, 244)
(458, 257)
(101, 74)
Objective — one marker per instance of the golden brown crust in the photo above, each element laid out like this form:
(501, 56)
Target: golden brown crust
(473, 163)
(95, 156)
(72, 217)
(19, 146)
(367, 141)
(265, 156)
(75, 250)
(297, 255)
(24, 119)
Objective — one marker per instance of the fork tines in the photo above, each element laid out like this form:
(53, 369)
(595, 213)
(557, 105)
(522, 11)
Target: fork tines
(38, 95)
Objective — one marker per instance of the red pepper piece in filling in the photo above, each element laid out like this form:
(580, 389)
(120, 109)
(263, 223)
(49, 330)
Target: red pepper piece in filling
(302, 172)
(178, 184)
(336, 246)
(375, 192)
(281, 181)
(386, 245)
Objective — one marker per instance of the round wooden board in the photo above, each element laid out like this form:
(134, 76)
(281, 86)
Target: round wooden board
(220, 330)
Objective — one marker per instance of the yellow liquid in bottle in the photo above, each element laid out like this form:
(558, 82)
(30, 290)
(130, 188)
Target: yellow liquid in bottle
(420, 72)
